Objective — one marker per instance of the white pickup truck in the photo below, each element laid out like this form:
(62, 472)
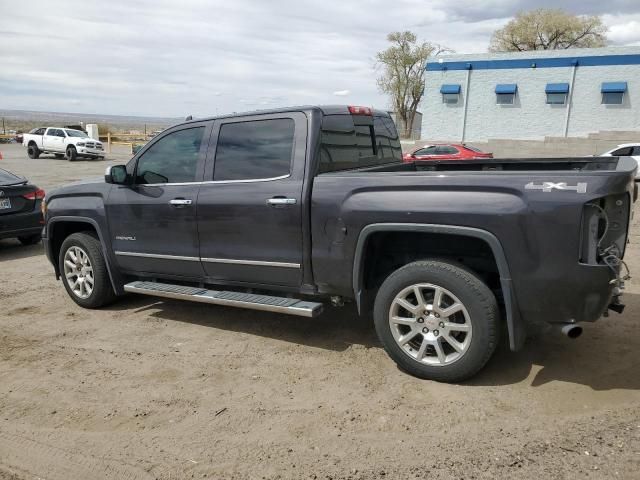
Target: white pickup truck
(62, 142)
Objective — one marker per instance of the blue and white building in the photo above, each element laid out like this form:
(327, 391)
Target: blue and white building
(530, 95)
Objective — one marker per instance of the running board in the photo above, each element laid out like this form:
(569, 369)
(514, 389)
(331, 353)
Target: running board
(267, 303)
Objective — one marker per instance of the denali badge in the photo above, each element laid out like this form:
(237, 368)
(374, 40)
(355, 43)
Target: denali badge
(549, 186)
(121, 237)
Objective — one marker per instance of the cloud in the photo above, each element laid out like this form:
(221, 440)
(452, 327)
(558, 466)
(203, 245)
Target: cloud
(623, 29)
(153, 57)
(342, 93)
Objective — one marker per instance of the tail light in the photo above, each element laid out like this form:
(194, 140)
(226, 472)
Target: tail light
(605, 227)
(37, 195)
(354, 110)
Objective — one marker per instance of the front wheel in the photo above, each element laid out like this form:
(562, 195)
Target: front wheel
(33, 151)
(72, 153)
(84, 271)
(437, 320)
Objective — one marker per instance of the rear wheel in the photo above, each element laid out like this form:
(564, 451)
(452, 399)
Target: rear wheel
(84, 271)
(33, 151)
(437, 320)
(72, 153)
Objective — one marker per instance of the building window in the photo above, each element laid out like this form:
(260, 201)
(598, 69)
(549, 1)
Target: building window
(450, 94)
(506, 93)
(450, 98)
(613, 93)
(557, 93)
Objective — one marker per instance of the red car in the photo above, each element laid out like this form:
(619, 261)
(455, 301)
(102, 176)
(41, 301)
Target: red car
(445, 152)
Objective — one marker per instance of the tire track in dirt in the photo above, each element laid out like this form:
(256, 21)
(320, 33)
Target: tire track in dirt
(54, 463)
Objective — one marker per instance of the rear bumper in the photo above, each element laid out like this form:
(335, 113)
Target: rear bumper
(21, 224)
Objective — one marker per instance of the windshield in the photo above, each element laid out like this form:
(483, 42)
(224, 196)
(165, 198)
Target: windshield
(76, 133)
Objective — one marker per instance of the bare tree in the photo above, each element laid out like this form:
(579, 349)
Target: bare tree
(549, 29)
(403, 65)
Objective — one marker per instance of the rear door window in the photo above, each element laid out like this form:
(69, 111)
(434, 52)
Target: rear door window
(426, 151)
(446, 150)
(254, 150)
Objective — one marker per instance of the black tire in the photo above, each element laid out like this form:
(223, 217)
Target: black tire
(71, 153)
(30, 239)
(477, 298)
(58, 155)
(102, 293)
(33, 151)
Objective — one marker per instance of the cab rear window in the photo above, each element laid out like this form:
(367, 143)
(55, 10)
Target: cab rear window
(346, 145)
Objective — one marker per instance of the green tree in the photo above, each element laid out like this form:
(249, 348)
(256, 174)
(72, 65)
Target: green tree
(549, 29)
(403, 65)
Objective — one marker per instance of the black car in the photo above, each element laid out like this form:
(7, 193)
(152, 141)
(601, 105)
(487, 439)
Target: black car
(20, 208)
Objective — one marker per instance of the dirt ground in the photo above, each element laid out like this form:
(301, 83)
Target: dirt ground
(150, 389)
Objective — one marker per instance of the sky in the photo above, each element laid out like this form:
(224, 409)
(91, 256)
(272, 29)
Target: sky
(199, 57)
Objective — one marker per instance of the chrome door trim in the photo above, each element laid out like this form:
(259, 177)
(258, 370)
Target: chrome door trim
(156, 255)
(214, 182)
(257, 263)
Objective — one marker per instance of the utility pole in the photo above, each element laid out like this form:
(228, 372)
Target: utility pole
(4, 130)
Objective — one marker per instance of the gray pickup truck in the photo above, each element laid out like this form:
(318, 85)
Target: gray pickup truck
(286, 210)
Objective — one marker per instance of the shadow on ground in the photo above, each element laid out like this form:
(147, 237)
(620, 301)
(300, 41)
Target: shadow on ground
(605, 357)
(12, 249)
(336, 329)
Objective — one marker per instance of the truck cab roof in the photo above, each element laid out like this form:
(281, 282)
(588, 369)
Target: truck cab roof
(324, 109)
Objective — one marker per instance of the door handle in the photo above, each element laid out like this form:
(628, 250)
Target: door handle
(180, 202)
(281, 201)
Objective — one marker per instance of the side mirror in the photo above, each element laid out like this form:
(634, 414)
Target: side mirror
(116, 174)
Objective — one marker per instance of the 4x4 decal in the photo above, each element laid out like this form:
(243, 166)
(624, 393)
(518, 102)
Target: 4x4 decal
(550, 186)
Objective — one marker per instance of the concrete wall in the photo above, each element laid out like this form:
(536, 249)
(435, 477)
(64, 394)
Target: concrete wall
(593, 144)
(530, 117)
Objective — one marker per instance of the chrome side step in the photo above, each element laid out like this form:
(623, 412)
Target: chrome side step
(291, 306)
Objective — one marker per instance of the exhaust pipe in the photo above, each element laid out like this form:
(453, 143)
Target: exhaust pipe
(571, 330)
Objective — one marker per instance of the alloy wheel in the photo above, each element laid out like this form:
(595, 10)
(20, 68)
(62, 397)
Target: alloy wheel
(78, 272)
(430, 324)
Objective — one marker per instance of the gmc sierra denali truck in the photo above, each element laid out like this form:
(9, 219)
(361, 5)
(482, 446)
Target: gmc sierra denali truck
(286, 210)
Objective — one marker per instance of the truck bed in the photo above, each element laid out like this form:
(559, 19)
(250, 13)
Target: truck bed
(514, 164)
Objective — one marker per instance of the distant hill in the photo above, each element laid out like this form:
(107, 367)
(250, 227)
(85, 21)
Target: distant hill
(23, 119)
